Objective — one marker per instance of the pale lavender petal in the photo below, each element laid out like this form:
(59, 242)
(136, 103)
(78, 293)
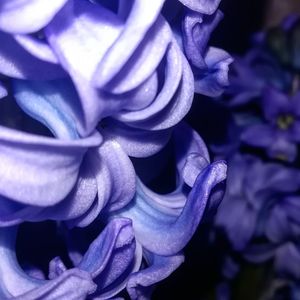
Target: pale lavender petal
(39, 166)
(112, 257)
(214, 80)
(114, 174)
(78, 201)
(148, 54)
(173, 101)
(53, 103)
(37, 48)
(196, 33)
(73, 284)
(82, 21)
(160, 267)
(161, 232)
(202, 6)
(140, 19)
(137, 142)
(19, 16)
(16, 62)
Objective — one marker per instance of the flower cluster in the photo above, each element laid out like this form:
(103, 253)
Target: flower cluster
(93, 94)
(259, 214)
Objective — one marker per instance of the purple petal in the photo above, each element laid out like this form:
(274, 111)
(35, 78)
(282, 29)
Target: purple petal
(18, 285)
(31, 15)
(82, 21)
(160, 267)
(287, 260)
(33, 168)
(79, 200)
(173, 101)
(141, 17)
(16, 62)
(137, 142)
(274, 103)
(196, 33)
(259, 135)
(277, 225)
(160, 231)
(214, 80)
(37, 48)
(111, 258)
(148, 54)
(53, 103)
(114, 173)
(202, 6)
(238, 219)
(73, 284)
(283, 149)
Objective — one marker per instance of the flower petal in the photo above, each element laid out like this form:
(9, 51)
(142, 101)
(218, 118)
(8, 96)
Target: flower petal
(33, 168)
(202, 6)
(160, 267)
(16, 62)
(31, 15)
(163, 233)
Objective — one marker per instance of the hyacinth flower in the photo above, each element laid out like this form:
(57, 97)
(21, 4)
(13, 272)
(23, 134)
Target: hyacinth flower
(108, 80)
(100, 272)
(89, 179)
(209, 64)
(248, 200)
(252, 73)
(280, 134)
(163, 224)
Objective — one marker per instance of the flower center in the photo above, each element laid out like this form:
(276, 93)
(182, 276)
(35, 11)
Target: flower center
(285, 121)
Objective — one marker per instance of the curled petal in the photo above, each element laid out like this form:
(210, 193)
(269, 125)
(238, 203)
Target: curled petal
(78, 201)
(37, 48)
(214, 80)
(16, 284)
(138, 142)
(82, 21)
(112, 257)
(160, 267)
(202, 6)
(31, 15)
(141, 17)
(196, 33)
(16, 62)
(53, 103)
(114, 173)
(166, 234)
(173, 101)
(148, 54)
(73, 284)
(33, 168)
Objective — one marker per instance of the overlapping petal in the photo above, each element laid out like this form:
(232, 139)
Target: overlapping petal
(31, 15)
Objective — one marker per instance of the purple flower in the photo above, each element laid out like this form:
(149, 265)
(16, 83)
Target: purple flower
(280, 135)
(252, 73)
(209, 64)
(252, 186)
(101, 271)
(163, 224)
